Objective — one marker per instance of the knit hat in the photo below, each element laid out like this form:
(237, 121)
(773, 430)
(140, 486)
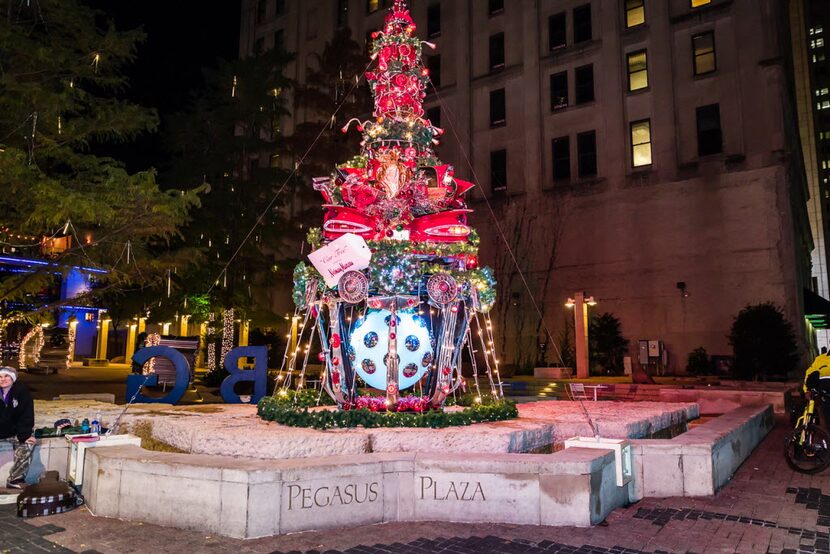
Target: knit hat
(10, 371)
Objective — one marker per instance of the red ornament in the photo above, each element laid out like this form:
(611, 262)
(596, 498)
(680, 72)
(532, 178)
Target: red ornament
(447, 370)
(335, 361)
(392, 336)
(392, 388)
(389, 233)
(335, 341)
(375, 34)
(321, 356)
(392, 322)
(335, 378)
(472, 262)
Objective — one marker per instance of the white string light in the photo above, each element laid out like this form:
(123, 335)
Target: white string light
(36, 334)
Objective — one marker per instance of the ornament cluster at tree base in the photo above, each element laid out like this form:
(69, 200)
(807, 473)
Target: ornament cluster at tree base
(415, 315)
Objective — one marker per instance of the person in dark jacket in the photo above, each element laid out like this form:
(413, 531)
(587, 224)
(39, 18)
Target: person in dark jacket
(17, 421)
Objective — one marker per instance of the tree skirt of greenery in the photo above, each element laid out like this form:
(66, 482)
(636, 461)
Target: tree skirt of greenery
(274, 409)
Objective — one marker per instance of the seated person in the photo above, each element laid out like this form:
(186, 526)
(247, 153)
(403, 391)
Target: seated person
(17, 421)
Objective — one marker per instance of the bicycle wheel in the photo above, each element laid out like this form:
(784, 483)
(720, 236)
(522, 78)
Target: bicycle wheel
(810, 455)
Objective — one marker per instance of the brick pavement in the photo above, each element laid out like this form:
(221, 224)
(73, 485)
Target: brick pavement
(765, 508)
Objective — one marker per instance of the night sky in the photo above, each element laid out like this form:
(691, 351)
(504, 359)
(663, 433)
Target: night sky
(183, 37)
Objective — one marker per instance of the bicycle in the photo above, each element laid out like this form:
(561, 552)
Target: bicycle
(808, 447)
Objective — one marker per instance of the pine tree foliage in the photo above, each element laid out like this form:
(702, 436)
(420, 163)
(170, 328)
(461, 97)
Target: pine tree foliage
(61, 73)
(230, 138)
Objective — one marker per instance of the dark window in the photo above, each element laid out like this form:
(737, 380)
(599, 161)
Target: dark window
(498, 170)
(637, 70)
(559, 90)
(434, 66)
(703, 47)
(497, 108)
(261, 10)
(434, 116)
(709, 137)
(279, 39)
(556, 31)
(586, 151)
(434, 20)
(635, 13)
(561, 159)
(259, 46)
(495, 7)
(582, 23)
(497, 51)
(342, 12)
(280, 7)
(584, 84)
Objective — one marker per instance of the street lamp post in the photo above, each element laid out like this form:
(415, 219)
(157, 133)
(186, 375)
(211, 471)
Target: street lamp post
(580, 304)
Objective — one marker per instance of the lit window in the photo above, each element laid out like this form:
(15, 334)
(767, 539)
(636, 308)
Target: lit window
(635, 13)
(637, 70)
(699, 3)
(703, 46)
(819, 30)
(372, 5)
(641, 143)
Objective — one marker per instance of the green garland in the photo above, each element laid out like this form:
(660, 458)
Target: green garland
(302, 274)
(271, 409)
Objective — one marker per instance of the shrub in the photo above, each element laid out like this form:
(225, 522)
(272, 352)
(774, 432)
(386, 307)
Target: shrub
(698, 362)
(607, 345)
(763, 342)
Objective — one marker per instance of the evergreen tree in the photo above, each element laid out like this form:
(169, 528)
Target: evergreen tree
(763, 342)
(229, 137)
(60, 75)
(607, 344)
(335, 80)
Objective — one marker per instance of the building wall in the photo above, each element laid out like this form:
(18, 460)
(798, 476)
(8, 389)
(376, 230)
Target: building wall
(732, 226)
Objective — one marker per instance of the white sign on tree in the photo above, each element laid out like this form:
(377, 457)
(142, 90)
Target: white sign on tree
(347, 253)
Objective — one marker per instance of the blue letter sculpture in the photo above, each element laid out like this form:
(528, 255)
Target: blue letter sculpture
(259, 375)
(135, 382)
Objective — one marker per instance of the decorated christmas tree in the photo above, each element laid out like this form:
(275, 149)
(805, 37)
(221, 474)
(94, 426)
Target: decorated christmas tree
(395, 293)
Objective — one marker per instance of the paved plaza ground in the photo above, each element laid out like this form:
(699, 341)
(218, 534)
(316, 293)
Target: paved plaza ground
(766, 508)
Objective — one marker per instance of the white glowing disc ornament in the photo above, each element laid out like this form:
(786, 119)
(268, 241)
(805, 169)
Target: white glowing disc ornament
(370, 341)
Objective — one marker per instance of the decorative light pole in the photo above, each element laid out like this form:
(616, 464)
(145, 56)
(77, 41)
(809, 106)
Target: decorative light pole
(579, 303)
